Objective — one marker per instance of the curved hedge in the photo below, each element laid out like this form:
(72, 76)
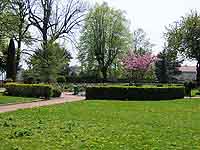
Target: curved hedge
(135, 93)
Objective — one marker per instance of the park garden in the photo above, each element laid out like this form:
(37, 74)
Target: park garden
(132, 96)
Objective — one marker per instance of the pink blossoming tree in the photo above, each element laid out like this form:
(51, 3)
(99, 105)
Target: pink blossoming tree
(138, 65)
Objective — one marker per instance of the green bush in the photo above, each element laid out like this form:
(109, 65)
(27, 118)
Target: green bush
(189, 85)
(134, 93)
(60, 79)
(57, 92)
(29, 90)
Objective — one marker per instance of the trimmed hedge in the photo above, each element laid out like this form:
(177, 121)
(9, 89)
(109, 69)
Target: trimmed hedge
(29, 90)
(134, 93)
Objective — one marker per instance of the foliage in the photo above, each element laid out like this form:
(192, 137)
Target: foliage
(150, 75)
(3, 55)
(11, 61)
(14, 24)
(166, 66)
(183, 37)
(47, 64)
(141, 44)
(61, 79)
(189, 85)
(105, 37)
(134, 93)
(57, 91)
(138, 65)
(29, 90)
(30, 77)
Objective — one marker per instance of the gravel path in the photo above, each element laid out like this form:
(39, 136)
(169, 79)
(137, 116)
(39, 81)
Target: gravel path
(66, 97)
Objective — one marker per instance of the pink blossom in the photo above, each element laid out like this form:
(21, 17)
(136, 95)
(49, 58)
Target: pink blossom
(133, 62)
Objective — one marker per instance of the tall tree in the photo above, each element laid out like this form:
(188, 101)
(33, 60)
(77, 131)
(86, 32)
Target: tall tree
(3, 55)
(55, 19)
(47, 71)
(14, 23)
(141, 43)
(104, 37)
(166, 66)
(184, 38)
(11, 61)
(21, 33)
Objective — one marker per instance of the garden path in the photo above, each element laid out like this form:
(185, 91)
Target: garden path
(65, 97)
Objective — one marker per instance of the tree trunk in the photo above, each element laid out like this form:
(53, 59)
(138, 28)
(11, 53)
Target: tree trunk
(198, 72)
(104, 72)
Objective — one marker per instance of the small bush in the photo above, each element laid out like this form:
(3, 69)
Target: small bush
(160, 85)
(29, 90)
(29, 80)
(61, 79)
(134, 93)
(8, 81)
(189, 85)
(57, 92)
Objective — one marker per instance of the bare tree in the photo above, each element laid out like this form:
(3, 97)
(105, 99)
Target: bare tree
(141, 43)
(53, 20)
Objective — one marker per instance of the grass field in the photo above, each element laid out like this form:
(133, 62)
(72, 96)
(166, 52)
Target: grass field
(108, 125)
(12, 99)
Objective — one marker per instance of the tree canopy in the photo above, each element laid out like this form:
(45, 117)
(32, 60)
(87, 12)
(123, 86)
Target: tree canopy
(105, 36)
(141, 43)
(183, 37)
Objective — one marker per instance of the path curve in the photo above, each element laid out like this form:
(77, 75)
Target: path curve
(66, 97)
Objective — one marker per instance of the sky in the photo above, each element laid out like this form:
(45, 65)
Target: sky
(152, 15)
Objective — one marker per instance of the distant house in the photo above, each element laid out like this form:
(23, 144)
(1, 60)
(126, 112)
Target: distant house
(187, 73)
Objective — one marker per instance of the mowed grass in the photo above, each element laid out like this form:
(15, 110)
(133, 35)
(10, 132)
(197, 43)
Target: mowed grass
(108, 125)
(12, 99)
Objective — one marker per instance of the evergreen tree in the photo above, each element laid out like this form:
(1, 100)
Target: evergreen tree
(11, 61)
(166, 67)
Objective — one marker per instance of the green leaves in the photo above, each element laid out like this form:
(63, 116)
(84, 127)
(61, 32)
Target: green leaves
(49, 62)
(104, 37)
(184, 35)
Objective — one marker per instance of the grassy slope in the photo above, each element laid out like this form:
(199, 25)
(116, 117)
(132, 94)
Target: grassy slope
(104, 125)
(12, 99)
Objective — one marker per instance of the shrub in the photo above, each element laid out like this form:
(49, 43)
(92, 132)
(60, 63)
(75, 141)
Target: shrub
(160, 85)
(57, 91)
(29, 80)
(189, 85)
(61, 79)
(8, 81)
(134, 93)
(29, 90)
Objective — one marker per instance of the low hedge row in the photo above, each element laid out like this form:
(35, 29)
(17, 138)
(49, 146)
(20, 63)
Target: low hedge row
(135, 93)
(32, 90)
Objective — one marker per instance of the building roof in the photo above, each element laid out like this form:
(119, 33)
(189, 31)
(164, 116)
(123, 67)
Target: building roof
(187, 69)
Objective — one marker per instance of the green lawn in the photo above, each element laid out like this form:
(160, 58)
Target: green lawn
(108, 125)
(12, 99)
